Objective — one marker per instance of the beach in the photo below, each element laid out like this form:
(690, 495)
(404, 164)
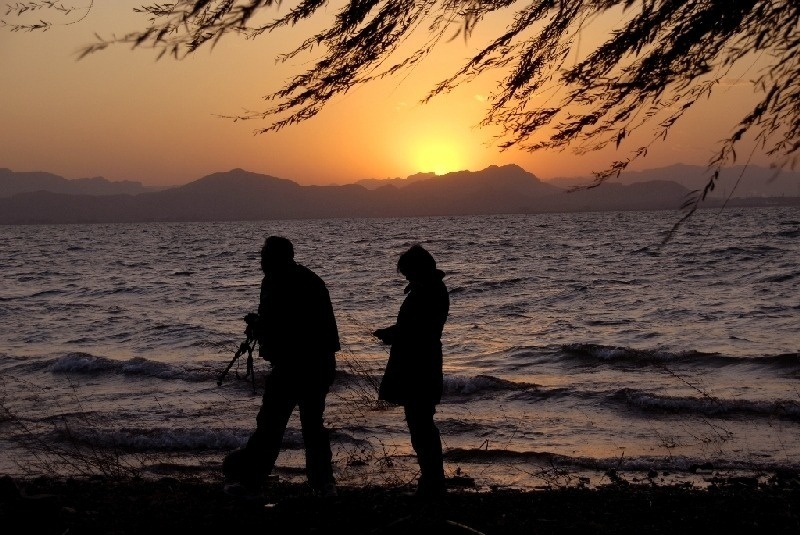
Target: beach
(173, 505)
(593, 383)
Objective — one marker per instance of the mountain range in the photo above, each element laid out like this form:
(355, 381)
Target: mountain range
(12, 183)
(737, 181)
(41, 198)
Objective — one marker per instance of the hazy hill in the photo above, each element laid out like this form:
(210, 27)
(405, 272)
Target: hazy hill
(12, 182)
(494, 190)
(753, 181)
(374, 183)
(243, 195)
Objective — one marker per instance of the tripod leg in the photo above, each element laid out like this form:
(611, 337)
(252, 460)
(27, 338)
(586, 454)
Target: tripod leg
(227, 368)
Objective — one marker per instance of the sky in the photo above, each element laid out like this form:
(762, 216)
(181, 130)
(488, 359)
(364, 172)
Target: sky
(123, 115)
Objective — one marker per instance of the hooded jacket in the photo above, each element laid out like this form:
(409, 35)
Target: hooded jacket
(414, 370)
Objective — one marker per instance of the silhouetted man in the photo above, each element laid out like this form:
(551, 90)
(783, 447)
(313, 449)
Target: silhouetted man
(413, 376)
(297, 333)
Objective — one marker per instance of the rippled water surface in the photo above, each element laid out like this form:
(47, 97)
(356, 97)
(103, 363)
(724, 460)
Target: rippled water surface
(574, 341)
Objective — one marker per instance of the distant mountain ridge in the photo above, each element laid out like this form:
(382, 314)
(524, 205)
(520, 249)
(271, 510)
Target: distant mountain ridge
(738, 181)
(12, 183)
(374, 183)
(244, 195)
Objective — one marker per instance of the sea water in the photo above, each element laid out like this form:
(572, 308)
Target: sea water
(579, 347)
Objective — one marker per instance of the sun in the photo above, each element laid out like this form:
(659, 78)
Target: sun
(437, 156)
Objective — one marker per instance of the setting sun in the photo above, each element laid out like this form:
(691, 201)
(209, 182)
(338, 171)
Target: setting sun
(437, 156)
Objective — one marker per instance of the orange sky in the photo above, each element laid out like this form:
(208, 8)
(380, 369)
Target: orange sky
(122, 115)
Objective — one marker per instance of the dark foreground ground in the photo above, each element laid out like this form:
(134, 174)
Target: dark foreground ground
(185, 506)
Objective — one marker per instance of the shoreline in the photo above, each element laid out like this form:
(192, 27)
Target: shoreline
(94, 505)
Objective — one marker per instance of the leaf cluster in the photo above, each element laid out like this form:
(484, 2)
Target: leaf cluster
(19, 10)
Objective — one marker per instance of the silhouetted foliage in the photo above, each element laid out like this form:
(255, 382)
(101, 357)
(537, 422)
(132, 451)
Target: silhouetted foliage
(21, 9)
(664, 57)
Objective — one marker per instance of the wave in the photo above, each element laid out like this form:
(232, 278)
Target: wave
(708, 405)
(85, 363)
(164, 439)
(455, 385)
(616, 354)
(780, 277)
(794, 233)
(45, 293)
(480, 384)
(459, 386)
(742, 252)
(479, 287)
(608, 323)
(81, 363)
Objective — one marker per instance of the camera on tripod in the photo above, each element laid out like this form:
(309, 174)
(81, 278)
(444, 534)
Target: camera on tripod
(253, 321)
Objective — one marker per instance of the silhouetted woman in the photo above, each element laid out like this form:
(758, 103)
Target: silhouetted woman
(413, 376)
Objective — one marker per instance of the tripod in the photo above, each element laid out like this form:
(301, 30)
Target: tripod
(247, 346)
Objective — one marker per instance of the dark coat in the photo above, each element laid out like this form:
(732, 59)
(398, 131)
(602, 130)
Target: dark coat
(297, 329)
(414, 370)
